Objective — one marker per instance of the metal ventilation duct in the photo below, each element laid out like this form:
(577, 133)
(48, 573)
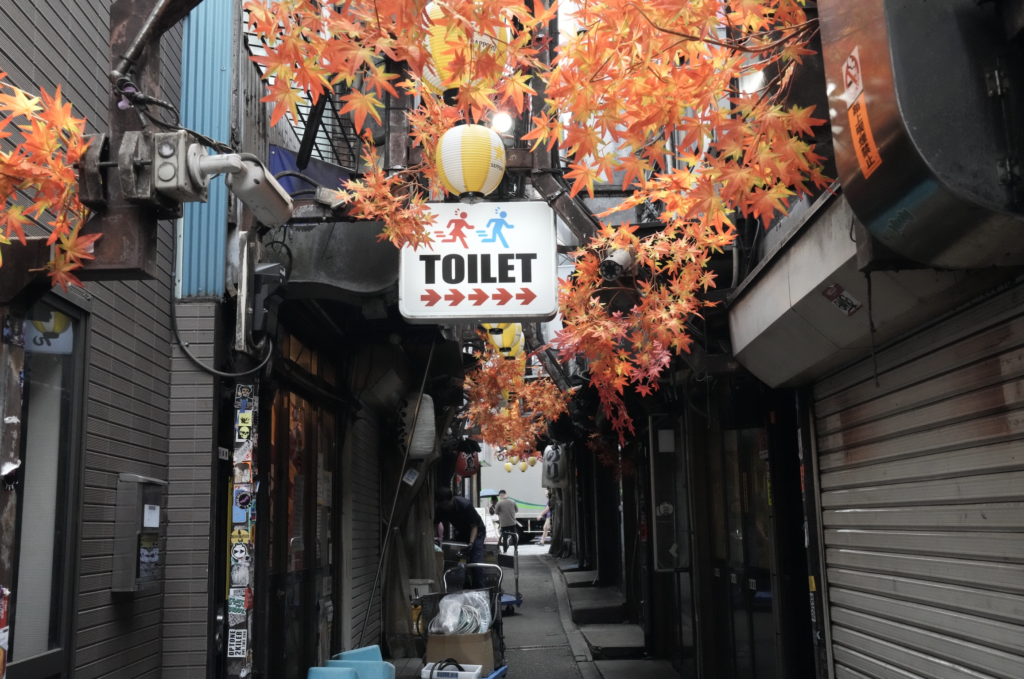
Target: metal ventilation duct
(926, 127)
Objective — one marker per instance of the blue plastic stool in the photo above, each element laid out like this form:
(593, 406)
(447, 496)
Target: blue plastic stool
(361, 663)
(332, 673)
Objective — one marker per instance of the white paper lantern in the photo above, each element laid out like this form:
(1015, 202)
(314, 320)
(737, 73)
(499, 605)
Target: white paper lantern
(471, 161)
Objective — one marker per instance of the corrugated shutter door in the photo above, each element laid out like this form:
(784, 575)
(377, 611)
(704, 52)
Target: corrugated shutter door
(922, 498)
(365, 524)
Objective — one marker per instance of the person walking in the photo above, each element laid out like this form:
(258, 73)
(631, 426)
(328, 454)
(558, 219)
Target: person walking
(506, 509)
(546, 515)
(467, 525)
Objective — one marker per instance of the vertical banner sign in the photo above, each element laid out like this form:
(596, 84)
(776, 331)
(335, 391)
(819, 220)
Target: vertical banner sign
(857, 112)
(489, 261)
(242, 532)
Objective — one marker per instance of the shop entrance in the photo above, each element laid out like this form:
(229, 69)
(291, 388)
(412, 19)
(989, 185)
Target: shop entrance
(303, 457)
(741, 555)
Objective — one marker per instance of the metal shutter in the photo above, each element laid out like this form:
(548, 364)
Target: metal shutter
(366, 525)
(922, 501)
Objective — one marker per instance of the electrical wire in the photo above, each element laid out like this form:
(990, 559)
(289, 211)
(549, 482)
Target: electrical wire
(184, 345)
(298, 175)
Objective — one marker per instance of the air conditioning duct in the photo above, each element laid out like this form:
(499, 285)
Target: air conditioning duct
(421, 438)
(927, 127)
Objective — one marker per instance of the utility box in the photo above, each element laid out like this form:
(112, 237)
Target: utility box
(137, 533)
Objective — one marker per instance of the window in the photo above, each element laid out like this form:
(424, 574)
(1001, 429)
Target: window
(45, 492)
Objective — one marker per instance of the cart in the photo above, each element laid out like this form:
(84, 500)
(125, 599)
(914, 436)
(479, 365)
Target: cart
(510, 602)
(460, 576)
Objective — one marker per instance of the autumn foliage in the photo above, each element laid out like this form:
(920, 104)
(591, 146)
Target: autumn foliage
(511, 410)
(686, 100)
(681, 102)
(42, 167)
(312, 47)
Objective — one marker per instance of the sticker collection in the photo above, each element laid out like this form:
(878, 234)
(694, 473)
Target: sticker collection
(242, 532)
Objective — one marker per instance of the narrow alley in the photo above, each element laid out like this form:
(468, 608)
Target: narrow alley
(312, 312)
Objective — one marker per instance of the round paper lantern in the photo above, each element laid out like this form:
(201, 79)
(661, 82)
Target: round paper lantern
(508, 467)
(468, 464)
(515, 459)
(510, 341)
(532, 460)
(522, 465)
(471, 161)
(438, 67)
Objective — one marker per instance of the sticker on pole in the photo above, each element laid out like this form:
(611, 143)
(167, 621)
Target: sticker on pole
(489, 261)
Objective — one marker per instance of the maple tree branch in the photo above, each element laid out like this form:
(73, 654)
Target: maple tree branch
(729, 45)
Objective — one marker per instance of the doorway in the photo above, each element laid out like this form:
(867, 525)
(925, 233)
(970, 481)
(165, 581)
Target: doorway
(302, 533)
(741, 555)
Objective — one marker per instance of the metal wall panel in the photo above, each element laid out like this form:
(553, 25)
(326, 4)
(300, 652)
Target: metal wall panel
(205, 108)
(361, 532)
(190, 464)
(43, 44)
(922, 492)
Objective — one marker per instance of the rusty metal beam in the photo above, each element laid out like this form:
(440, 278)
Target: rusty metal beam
(128, 247)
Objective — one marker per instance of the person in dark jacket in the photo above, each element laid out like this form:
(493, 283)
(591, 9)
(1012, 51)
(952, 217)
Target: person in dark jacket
(466, 523)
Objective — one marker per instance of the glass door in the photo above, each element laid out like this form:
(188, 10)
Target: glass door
(741, 550)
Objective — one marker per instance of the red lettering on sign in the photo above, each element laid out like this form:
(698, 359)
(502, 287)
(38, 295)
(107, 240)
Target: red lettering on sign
(502, 296)
(455, 297)
(431, 297)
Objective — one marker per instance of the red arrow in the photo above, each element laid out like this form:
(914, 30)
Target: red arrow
(478, 297)
(455, 297)
(431, 298)
(502, 296)
(527, 296)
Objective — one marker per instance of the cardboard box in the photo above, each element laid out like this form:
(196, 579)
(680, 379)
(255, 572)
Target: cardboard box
(474, 649)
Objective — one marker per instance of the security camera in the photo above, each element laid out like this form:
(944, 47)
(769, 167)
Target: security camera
(260, 192)
(247, 178)
(616, 264)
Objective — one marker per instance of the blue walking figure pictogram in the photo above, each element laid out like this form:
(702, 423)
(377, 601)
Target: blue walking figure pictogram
(496, 235)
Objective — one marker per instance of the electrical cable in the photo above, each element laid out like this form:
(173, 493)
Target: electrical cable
(394, 502)
(298, 175)
(141, 101)
(184, 345)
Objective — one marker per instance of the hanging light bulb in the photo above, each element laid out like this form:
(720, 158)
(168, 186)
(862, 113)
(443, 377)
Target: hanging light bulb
(501, 122)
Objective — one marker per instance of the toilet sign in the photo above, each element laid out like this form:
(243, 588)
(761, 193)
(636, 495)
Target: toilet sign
(488, 262)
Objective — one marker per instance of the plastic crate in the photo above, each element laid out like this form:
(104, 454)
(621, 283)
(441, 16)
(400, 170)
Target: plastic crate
(451, 672)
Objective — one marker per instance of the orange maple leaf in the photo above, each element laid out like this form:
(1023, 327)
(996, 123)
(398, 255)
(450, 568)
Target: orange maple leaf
(362, 105)
(285, 100)
(12, 221)
(77, 247)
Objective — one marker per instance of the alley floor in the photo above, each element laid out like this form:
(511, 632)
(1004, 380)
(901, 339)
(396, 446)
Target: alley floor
(542, 640)
(536, 644)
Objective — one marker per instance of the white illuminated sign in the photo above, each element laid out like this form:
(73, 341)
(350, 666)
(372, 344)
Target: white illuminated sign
(488, 262)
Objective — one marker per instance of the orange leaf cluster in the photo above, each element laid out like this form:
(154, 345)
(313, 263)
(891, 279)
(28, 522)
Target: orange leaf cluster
(510, 410)
(42, 165)
(685, 100)
(649, 89)
(312, 46)
(379, 197)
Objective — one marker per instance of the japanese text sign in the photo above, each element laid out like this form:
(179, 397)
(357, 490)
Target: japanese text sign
(488, 262)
